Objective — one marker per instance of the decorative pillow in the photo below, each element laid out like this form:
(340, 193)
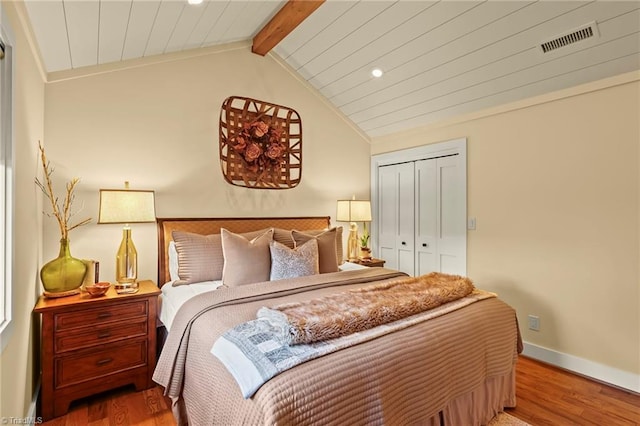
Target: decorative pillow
(291, 263)
(200, 257)
(327, 248)
(245, 261)
(283, 236)
(173, 261)
(339, 243)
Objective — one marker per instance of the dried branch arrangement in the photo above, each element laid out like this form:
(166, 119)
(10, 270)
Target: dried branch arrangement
(63, 213)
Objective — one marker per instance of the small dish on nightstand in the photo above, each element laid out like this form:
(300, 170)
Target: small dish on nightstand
(97, 289)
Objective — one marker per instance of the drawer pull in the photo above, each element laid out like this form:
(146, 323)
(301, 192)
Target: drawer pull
(104, 361)
(104, 315)
(425, 245)
(103, 334)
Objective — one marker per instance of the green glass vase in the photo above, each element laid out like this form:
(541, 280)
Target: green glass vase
(64, 273)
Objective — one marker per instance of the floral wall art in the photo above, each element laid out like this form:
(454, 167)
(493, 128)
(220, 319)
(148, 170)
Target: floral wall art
(260, 144)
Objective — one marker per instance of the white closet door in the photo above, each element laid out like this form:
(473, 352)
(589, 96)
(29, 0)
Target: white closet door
(387, 215)
(396, 216)
(452, 230)
(426, 247)
(420, 199)
(405, 240)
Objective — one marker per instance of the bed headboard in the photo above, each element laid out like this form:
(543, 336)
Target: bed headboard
(206, 226)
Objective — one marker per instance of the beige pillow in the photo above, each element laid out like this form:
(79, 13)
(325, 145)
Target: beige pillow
(339, 245)
(200, 257)
(283, 236)
(327, 247)
(292, 263)
(245, 261)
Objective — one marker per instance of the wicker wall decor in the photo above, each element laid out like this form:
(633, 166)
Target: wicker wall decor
(260, 144)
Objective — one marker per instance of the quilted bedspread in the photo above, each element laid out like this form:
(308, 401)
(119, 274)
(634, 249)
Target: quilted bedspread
(410, 376)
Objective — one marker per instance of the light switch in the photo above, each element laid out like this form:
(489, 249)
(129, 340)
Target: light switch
(471, 224)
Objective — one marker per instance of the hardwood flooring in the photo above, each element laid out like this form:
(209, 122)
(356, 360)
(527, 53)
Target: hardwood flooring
(120, 407)
(547, 396)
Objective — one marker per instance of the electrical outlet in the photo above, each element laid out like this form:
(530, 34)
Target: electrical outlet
(471, 223)
(534, 323)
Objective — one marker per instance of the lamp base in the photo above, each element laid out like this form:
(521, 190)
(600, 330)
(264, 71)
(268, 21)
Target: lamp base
(126, 285)
(126, 288)
(352, 242)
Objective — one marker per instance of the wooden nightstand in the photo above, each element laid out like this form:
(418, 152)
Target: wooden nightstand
(90, 345)
(373, 263)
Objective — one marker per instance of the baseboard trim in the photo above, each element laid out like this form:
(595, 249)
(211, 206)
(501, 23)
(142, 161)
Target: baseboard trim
(584, 367)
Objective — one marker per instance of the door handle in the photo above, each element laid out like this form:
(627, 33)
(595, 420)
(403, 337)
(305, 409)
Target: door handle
(404, 243)
(425, 245)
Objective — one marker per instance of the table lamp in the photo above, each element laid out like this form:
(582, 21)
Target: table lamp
(353, 211)
(126, 206)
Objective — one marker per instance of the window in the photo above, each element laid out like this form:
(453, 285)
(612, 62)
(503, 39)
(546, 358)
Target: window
(6, 178)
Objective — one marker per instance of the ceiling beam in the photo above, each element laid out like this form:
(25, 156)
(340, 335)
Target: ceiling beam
(285, 21)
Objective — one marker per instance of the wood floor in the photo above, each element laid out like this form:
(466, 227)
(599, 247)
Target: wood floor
(550, 396)
(546, 396)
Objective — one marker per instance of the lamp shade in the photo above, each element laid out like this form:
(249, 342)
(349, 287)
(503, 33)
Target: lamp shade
(353, 211)
(126, 206)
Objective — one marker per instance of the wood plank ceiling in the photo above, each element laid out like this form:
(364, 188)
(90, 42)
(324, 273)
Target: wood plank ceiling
(439, 58)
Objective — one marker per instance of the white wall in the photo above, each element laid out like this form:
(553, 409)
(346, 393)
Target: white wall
(156, 125)
(554, 184)
(19, 359)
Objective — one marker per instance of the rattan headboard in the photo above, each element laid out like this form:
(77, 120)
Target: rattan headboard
(206, 226)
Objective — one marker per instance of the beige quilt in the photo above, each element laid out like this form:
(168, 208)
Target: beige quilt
(457, 367)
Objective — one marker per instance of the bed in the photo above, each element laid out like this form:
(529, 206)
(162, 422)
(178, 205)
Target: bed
(456, 367)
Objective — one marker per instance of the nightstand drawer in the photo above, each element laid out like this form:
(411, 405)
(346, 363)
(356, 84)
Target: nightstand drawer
(77, 339)
(115, 312)
(71, 370)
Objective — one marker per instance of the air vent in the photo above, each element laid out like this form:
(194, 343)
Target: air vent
(583, 33)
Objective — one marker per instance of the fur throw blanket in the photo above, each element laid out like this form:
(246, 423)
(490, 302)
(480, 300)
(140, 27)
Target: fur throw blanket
(360, 309)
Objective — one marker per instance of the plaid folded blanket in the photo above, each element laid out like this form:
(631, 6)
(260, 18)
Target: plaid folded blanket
(360, 309)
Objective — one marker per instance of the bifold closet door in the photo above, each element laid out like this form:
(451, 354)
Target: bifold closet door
(426, 222)
(452, 218)
(396, 216)
(440, 216)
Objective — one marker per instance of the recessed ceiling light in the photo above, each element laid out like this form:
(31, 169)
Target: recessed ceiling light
(194, 1)
(376, 72)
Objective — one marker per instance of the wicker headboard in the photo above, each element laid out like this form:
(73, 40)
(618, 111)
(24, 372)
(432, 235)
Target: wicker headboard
(206, 226)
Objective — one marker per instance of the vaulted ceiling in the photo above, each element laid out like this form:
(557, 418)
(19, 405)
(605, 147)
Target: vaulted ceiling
(439, 58)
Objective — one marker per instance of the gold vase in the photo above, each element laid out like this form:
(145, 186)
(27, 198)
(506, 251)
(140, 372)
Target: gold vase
(63, 274)
(126, 261)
